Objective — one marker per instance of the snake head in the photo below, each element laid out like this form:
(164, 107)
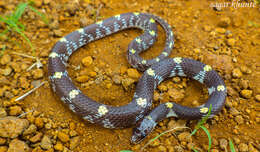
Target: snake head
(144, 128)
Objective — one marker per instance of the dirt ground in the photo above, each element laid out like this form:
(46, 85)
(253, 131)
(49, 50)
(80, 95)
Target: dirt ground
(227, 38)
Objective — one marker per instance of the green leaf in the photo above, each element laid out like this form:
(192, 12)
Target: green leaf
(209, 137)
(126, 151)
(231, 145)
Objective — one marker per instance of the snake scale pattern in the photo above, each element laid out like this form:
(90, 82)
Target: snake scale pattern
(138, 112)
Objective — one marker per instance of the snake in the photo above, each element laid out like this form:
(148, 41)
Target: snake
(138, 112)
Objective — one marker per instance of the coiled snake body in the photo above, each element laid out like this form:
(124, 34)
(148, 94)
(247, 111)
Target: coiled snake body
(156, 70)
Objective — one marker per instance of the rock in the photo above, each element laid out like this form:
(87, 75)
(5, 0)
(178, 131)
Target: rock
(8, 94)
(58, 32)
(180, 124)
(246, 93)
(30, 130)
(178, 148)
(162, 148)
(257, 98)
(224, 22)
(231, 42)
(231, 91)
(36, 138)
(46, 2)
(87, 61)
(38, 3)
(234, 111)
(239, 119)
(6, 71)
(63, 137)
(236, 73)
(23, 82)
(245, 69)
(117, 79)
(39, 122)
(54, 25)
(221, 62)
(5, 59)
(37, 73)
(244, 84)
(2, 141)
(3, 149)
(84, 21)
(11, 127)
(71, 8)
(15, 110)
(185, 136)
(46, 143)
(92, 74)
(18, 146)
(2, 112)
(175, 94)
(220, 30)
(223, 143)
(74, 142)
(206, 28)
(127, 83)
(243, 147)
(58, 147)
(82, 78)
(133, 73)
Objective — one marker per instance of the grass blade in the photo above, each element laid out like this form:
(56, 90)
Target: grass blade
(202, 121)
(209, 137)
(126, 151)
(231, 145)
(19, 11)
(194, 149)
(43, 17)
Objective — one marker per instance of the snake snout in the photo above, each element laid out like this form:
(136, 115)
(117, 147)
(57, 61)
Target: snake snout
(142, 130)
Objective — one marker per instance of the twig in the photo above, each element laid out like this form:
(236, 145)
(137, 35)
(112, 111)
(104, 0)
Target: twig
(29, 92)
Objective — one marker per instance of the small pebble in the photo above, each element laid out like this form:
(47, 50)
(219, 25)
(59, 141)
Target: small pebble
(46, 143)
(18, 146)
(37, 73)
(133, 73)
(39, 122)
(175, 94)
(82, 78)
(117, 79)
(87, 61)
(2, 141)
(246, 93)
(239, 119)
(185, 136)
(162, 148)
(2, 112)
(63, 137)
(224, 22)
(223, 143)
(58, 146)
(178, 148)
(15, 110)
(5, 59)
(36, 137)
(257, 97)
(220, 30)
(74, 142)
(30, 130)
(231, 42)
(236, 73)
(6, 71)
(243, 147)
